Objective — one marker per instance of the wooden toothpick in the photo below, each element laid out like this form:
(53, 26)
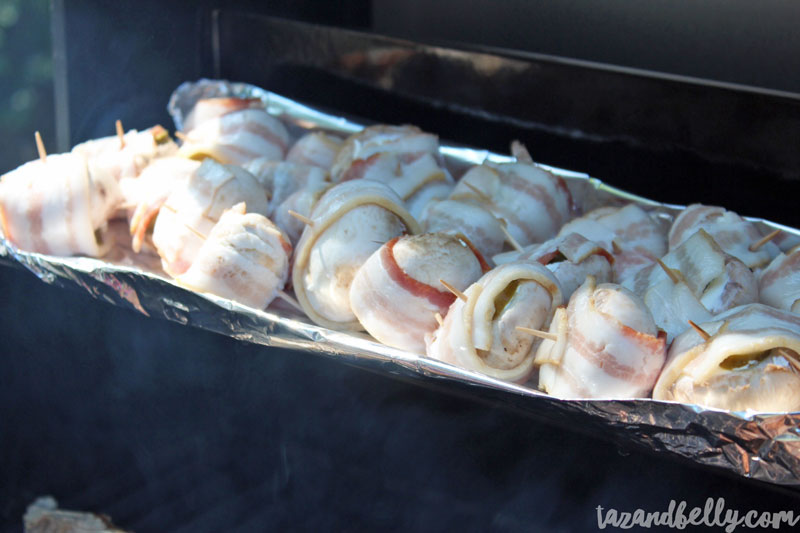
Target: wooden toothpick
(510, 238)
(120, 134)
(458, 293)
(700, 331)
(764, 240)
(519, 151)
(180, 135)
(439, 319)
(537, 333)
(302, 218)
(40, 147)
(674, 277)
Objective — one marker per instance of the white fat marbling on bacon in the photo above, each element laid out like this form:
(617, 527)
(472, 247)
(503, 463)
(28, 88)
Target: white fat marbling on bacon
(734, 234)
(396, 293)
(361, 149)
(281, 178)
(237, 138)
(302, 202)
(766, 342)
(607, 346)
(210, 108)
(634, 238)
(317, 149)
(478, 336)
(709, 282)
(146, 193)
(569, 257)
(472, 221)
(110, 163)
(350, 221)
(190, 212)
(245, 258)
(46, 207)
(779, 283)
(533, 202)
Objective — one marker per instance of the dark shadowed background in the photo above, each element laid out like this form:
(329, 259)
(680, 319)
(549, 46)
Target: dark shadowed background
(169, 428)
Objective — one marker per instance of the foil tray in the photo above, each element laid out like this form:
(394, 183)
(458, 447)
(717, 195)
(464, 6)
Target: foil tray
(759, 446)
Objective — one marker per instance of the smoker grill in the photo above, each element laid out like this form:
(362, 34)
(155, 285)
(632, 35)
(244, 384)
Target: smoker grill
(165, 427)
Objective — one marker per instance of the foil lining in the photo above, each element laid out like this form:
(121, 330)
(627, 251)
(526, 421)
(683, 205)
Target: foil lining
(760, 446)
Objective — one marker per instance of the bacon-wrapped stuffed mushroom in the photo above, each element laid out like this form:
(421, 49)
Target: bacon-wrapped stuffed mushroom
(735, 235)
(743, 359)
(189, 213)
(480, 333)
(694, 282)
(532, 202)
(245, 258)
(397, 293)
(606, 346)
(570, 258)
(403, 157)
(236, 137)
(350, 222)
(634, 237)
(53, 207)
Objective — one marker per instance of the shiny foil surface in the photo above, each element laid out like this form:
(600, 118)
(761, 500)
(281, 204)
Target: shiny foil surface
(758, 446)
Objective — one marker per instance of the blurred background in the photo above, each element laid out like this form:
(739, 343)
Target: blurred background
(26, 79)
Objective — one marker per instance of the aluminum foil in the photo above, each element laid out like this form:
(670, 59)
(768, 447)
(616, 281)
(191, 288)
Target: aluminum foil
(758, 446)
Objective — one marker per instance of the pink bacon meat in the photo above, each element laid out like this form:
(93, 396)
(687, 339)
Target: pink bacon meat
(480, 333)
(348, 224)
(396, 293)
(52, 207)
(607, 346)
(531, 201)
(745, 359)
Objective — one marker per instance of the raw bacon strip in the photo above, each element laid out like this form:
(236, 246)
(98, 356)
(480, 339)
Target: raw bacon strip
(570, 258)
(779, 284)
(396, 294)
(110, 163)
(481, 333)
(190, 212)
(472, 221)
(708, 281)
(50, 207)
(350, 222)
(148, 192)
(635, 238)
(210, 108)
(317, 149)
(245, 258)
(750, 362)
(734, 234)
(237, 138)
(281, 178)
(607, 346)
(403, 157)
(533, 202)
(363, 149)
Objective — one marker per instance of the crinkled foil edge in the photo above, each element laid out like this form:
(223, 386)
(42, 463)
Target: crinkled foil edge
(758, 446)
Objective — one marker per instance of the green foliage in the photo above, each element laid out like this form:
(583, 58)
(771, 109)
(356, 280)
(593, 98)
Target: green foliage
(26, 79)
